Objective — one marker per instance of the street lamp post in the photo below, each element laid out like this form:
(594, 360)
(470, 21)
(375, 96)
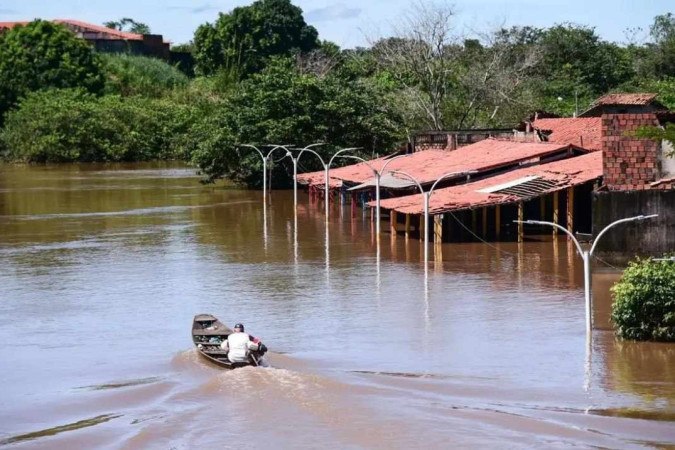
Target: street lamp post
(425, 197)
(295, 171)
(326, 167)
(586, 255)
(378, 175)
(264, 160)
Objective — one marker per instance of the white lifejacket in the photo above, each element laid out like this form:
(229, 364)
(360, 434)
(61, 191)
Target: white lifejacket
(238, 345)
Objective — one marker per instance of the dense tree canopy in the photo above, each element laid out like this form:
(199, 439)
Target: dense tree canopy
(43, 55)
(244, 39)
(265, 76)
(64, 125)
(283, 105)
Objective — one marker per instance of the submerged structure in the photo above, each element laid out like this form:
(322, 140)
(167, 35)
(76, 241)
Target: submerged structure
(581, 173)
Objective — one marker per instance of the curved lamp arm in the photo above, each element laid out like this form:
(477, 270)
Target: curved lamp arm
(410, 177)
(392, 159)
(307, 149)
(254, 148)
(628, 219)
(358, 158)
(561, 228)
(330, 161)
(276, 147)
(443, 177)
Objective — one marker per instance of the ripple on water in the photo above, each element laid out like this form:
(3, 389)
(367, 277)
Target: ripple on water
(61, 429)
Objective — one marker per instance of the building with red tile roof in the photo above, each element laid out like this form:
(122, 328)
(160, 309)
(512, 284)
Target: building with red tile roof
(585, 132)
(109, 40)
(484, 157)
(510, 187)
(624, 103)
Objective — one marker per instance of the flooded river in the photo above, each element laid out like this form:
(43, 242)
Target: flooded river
(102, 269)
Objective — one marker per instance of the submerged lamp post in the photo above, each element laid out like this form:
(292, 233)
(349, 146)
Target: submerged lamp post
(586, 255)
(264, 159)
(425, 198)
(295, 170)
(378, 175)
(326, 167)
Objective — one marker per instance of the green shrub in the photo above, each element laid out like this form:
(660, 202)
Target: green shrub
(63, 125)
(644, 301)
(128, 75)
(42, 55)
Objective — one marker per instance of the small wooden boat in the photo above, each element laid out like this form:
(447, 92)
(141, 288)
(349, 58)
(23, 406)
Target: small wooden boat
(208, 333)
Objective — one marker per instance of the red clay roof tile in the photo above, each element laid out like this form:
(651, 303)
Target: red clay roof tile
(563, 174)
(428, 165)
(585, 132)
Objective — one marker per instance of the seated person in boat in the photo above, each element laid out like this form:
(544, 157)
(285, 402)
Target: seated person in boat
(239, 344)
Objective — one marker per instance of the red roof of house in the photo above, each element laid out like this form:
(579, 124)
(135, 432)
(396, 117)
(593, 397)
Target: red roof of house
(109, 33)
(585, 132)
(640, 98)
(550, 177)
(83, 27)
(428, 165)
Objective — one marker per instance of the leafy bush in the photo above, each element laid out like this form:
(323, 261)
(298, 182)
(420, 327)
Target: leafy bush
(63, 125)
(282, 105)
(128, 75)
(42, 55)
(644, 301)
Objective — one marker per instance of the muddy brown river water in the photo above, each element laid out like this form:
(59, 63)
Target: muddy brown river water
(103, 267)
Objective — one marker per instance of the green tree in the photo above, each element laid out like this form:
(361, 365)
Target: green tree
(244, 39)
(139, 75)
(644, 301)
(129, 25)
(63, 125)
(656, 59)
(283, 105)
(42, 55)
(578, 66)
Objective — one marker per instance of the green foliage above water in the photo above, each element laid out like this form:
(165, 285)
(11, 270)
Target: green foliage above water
(128, 75)
(266, 77)
(282, 105)
(644, 301)
(64, 125)
(41, 55)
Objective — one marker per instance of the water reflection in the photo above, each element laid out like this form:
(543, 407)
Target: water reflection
(495, 331)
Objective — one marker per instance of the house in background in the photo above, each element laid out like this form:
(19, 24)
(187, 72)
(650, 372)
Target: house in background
(108, 40)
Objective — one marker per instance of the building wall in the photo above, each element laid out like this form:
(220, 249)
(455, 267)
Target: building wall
(628, 163)
(651, 237)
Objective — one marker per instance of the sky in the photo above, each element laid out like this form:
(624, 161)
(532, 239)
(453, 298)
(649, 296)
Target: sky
(351, 23)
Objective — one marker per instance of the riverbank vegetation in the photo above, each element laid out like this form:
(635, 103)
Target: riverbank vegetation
(644, 301)
(264, 75)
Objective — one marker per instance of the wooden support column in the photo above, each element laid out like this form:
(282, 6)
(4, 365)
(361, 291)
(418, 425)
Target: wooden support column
(484, 222)
(438, 238)
(392, 222)
(498, 218)
(438, 229)
(570, 209)
(556, 212)
(521, 231)
(407, 226)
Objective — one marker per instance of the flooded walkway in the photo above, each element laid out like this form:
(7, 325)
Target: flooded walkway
(103, 269)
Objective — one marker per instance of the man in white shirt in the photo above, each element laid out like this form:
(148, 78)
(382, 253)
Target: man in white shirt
(238, 345)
